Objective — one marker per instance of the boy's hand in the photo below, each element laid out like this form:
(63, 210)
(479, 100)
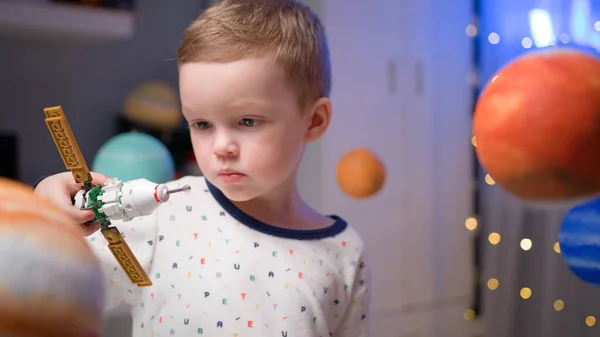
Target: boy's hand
(61, 188)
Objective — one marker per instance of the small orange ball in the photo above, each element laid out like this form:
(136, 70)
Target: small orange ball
(360, 173)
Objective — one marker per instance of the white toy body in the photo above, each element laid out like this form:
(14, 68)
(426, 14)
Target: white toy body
(127, 200)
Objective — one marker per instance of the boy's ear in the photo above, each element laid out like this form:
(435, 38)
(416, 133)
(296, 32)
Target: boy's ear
(319, 115)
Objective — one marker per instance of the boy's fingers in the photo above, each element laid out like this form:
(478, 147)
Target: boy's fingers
(80, 216)
(98, 178)
(90, 229)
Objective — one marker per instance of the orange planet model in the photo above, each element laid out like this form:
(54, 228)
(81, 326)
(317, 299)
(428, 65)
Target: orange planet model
(51, 284)
(360, 173)
(537, 126)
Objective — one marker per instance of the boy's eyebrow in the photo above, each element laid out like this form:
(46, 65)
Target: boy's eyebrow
(234, 104)
(185, 110)
(248, 102)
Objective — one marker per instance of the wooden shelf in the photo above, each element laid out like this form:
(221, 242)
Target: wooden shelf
(40, 19)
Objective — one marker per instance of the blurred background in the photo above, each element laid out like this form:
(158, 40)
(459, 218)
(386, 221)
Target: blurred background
(453, 255)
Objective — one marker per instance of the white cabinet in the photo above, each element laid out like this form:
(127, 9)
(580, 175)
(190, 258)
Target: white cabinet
(400, 88)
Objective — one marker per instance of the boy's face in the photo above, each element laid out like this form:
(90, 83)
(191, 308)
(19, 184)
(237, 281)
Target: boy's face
(247, 129)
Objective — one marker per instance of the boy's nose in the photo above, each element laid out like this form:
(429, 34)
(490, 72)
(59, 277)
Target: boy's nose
(230, 150)
(225, 147)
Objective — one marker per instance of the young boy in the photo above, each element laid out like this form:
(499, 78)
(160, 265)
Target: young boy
(242, 254)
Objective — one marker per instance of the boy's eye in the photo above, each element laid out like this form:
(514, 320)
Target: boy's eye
(249, 122)
(201, 125)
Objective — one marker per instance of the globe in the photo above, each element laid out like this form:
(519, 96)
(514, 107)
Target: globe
(134, 155)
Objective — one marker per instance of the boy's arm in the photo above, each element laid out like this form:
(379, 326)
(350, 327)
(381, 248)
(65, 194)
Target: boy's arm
(140, 234)
(356, 318)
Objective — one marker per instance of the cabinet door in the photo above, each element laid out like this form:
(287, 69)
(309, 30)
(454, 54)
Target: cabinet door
(441, 119)
(400, 89)
(373, 85)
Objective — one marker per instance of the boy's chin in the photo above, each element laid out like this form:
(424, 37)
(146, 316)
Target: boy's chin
(238, 193)
(239, 197)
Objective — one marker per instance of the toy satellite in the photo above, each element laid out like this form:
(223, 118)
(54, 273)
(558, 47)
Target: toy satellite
(115, 200)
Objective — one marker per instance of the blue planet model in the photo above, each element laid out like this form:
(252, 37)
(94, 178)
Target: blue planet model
(579, 240)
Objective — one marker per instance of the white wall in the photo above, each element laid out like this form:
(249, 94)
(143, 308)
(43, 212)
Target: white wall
(400, 88)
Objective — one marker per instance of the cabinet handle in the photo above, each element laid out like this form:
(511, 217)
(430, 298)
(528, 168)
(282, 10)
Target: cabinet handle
(392, 77)
(419, 78)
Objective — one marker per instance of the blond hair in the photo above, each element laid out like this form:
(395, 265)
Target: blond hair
(286, 32)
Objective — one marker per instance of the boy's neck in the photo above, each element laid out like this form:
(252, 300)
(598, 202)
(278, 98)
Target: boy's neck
(284, 208)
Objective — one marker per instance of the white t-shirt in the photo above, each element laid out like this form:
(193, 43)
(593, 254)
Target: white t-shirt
(218, 272)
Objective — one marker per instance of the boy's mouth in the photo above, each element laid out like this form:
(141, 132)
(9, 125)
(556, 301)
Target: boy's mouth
(230, 177)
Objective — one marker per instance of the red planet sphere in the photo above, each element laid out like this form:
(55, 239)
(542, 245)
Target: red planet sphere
(537, 126)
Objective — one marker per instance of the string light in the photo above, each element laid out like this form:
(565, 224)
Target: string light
(471, 224)
(527, 43)
(526, 244)
(493, 284)
(472, 78)
(525, 293)
(469, 314)
(590, 321)
(471, 30)
(564, 38)
(474, 141)
(494, 238)
(489, 180)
